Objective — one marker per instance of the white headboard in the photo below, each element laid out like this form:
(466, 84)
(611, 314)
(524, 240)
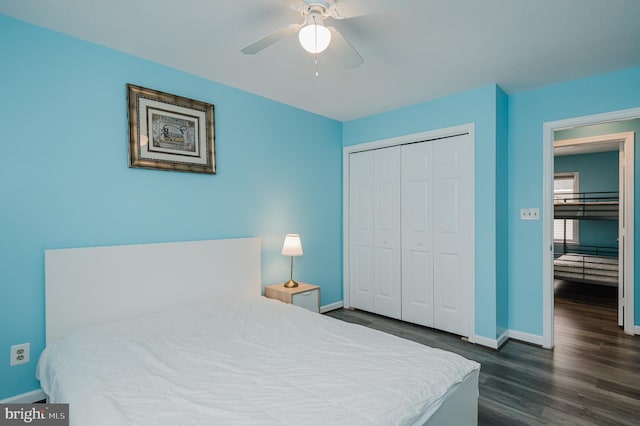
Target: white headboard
(86, 286)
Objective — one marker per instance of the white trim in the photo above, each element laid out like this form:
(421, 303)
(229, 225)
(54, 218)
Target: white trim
(622, 211)
(486, 341)
(502, 339)
(411, 138)
(471, 303)
(629, 247)
(628, 238)
(547, 236)
(345, 228)
(526, 337)
(636, 329)
(331, 307)
(468, 128)
(26, 398)
(547, 214)
(492, 343)
(515, 335)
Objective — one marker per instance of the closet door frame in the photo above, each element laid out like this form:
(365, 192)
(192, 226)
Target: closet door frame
(468, 129)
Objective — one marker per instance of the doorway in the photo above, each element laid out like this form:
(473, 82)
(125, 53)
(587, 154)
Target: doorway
(588, 225)
(627, 193)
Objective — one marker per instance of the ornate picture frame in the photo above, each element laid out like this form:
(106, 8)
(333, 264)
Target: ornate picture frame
(169, 132)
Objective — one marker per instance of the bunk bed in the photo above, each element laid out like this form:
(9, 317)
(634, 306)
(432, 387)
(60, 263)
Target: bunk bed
(585, 263)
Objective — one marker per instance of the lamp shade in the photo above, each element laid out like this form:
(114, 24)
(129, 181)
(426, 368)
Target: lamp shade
(314, 37)
(292, 245)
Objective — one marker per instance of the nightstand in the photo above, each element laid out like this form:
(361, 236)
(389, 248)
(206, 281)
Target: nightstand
(305, 295)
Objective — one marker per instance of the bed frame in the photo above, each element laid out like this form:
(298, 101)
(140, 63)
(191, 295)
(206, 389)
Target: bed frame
(87, 286)
(587, 205)
(588, 264)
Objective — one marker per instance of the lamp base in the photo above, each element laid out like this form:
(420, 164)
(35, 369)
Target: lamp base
(291, 284)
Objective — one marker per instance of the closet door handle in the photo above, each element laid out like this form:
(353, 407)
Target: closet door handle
(419, 243)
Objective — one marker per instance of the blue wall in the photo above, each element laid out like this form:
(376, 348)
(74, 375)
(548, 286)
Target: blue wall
(64, 180)
(486, 108)
(528, 111)
(597, 172)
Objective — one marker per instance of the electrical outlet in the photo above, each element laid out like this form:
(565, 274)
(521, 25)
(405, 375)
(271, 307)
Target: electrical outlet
(20, 354)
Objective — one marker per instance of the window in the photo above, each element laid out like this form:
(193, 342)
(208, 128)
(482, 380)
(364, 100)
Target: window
(565, 186)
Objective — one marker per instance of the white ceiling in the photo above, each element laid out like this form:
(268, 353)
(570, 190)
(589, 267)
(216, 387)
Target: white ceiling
(414, 50)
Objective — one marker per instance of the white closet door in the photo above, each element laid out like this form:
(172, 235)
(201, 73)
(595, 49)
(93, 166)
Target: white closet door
(417, 233)
(361, 202)
(454, 261)
(411, 232)
(374, 231)
(387, 298)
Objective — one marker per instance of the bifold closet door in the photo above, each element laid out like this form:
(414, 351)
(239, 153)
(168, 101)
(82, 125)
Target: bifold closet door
(438, 233)
(374, 227)
(417, 233)
(454, 233)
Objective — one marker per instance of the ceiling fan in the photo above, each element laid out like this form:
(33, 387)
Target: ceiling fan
(313, 35)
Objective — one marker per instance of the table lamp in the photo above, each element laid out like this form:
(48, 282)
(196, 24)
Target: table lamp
(292, 247)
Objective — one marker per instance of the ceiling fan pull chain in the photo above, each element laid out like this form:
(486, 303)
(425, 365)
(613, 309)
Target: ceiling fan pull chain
(316, 61)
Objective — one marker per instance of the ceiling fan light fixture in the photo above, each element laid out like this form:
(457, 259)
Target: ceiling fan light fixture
(314, 37)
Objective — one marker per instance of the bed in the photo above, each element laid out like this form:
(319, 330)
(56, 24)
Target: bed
(178, 333)
(585, 263)
(588, 268)
(586, 205)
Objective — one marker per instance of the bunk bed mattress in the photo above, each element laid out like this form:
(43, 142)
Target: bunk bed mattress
(246, 361)
(607, 210)
(597, 269)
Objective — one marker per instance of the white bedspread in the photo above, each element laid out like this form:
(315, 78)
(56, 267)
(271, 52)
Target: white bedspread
(245, 362)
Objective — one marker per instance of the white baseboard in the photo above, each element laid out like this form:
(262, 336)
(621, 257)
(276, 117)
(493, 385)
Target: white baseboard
(492, 343)
(526, 337)
(502, 339)
(636, 329)
(485, 341)
(26, 398)
(513, 334)
(331, 307)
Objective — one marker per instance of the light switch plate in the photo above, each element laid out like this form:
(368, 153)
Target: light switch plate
(530, 214)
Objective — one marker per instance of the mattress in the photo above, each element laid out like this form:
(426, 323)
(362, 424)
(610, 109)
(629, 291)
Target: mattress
(246, 361)
(586, 210)
(587, 267)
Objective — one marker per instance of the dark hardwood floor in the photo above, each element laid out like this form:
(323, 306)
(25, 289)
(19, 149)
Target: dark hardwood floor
(591, 377)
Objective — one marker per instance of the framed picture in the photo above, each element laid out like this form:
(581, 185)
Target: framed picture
(169, 132)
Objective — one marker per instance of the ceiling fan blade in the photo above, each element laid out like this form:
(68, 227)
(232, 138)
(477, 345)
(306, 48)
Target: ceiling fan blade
(345, 9)
(295, 4)
(341, 47)
(270, 39)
